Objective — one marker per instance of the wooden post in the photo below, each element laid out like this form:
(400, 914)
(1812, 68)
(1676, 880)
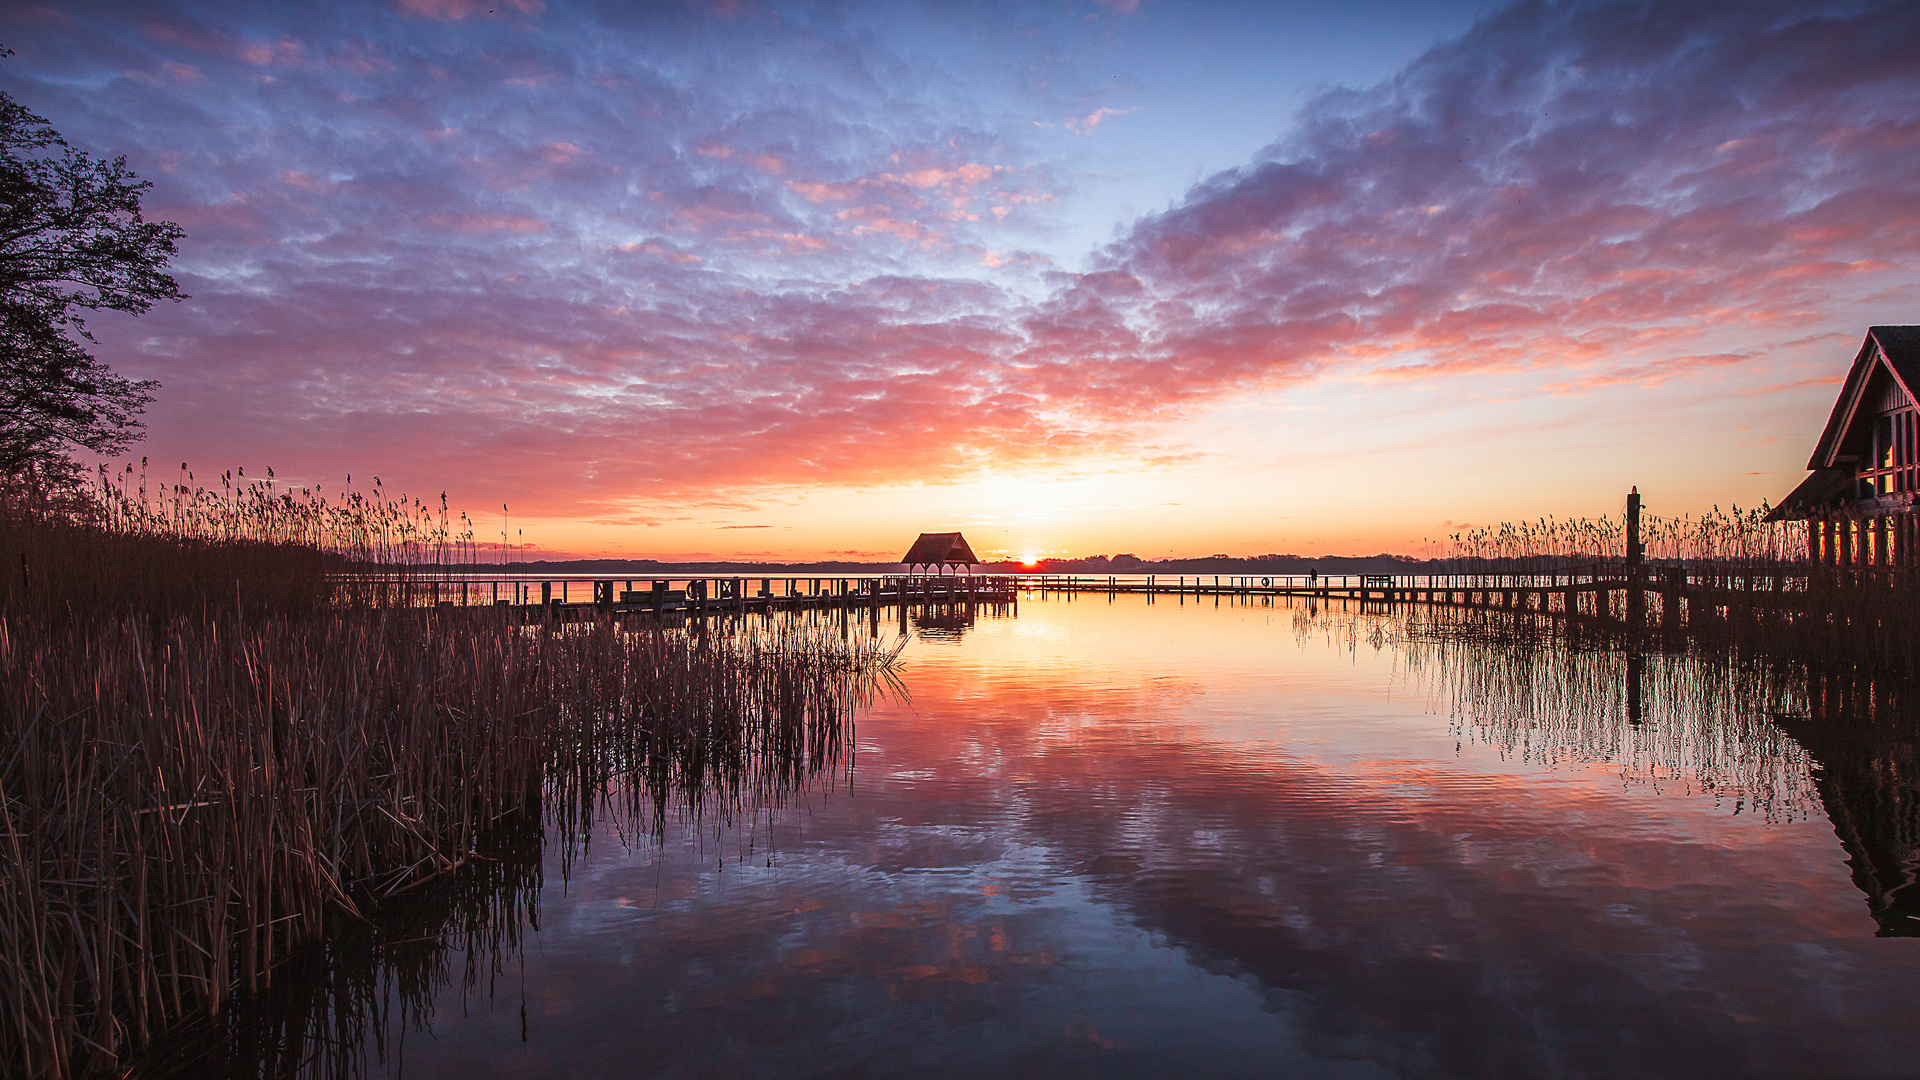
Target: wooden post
(1636, 668)
(1636, 556)
(1676, 581)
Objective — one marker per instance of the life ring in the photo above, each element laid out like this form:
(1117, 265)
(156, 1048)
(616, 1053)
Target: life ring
(1266, 581)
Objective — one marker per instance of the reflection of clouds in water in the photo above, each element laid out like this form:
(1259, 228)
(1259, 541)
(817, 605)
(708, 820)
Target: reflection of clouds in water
(1439, 936)
(1034, 872)
(1441, 918)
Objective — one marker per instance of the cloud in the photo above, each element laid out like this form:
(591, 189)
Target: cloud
(1573, 185)
(575, 276)
(1084, 125)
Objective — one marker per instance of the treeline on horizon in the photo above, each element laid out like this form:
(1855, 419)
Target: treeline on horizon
(1265, 565)
(1732, 539)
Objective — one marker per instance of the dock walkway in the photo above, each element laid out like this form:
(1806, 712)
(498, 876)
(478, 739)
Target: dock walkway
(1668, 594)
(582, 599)
(1607, 593)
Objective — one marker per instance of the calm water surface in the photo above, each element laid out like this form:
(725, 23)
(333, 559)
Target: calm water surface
(1122, 839)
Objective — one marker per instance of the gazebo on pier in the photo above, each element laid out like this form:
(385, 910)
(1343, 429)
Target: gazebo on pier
(1860, 502)
(936, 551)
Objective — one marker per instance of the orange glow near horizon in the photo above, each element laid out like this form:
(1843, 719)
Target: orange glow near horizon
(803, 347)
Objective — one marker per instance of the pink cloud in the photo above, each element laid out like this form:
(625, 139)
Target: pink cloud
(1664, 202)
(1084, 125)
(601, 287)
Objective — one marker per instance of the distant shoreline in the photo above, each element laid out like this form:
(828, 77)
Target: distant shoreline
(1271, 565)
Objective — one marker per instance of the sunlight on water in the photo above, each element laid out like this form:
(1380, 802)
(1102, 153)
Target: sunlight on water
(1132, 839)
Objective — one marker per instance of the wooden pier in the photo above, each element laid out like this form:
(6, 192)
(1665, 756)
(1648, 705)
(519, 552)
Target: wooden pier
(1627, 592)
(556, 600)
(1618, 593)
(1640, 595)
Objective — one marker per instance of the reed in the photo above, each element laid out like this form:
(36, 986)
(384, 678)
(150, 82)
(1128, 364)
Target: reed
(184, 804)
(1735, 543)
(1749, 588)
(122, 545)
(226, 732)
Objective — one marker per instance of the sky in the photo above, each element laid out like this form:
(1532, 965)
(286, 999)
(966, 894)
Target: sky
(796, 281)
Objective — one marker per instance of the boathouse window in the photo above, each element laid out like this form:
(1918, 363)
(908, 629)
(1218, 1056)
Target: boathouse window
(1892, 462)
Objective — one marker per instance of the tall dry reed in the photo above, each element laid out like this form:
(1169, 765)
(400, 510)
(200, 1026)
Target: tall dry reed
(122, 545)
(1728, 542)
(1728, 580)
(184, 803)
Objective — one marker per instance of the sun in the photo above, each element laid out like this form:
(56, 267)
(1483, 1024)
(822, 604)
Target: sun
(1030, 560)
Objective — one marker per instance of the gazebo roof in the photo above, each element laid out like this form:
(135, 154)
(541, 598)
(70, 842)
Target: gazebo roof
(936, 548)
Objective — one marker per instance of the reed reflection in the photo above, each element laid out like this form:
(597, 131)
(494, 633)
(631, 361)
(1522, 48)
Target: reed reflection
(338, 1009)
(705, 727)
(1785, 743)
(1549, 694)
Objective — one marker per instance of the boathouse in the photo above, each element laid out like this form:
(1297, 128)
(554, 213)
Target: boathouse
(1859, 502)
(937, 551)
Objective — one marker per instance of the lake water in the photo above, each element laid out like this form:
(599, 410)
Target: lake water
(1121, 838)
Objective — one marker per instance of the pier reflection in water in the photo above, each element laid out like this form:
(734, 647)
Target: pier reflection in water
(1104, 838)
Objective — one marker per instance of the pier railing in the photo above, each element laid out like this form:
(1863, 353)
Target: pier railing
(572, 598)
(1608, 590)
(1615, 574)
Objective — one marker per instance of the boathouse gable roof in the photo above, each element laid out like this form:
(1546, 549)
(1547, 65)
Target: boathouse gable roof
(1889, 354)
(936, 548)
